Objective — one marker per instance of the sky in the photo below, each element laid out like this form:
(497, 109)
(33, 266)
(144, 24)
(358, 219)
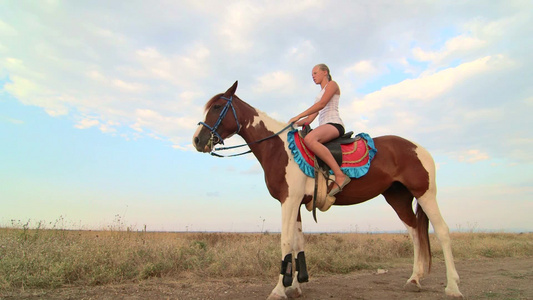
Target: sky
(99, 101)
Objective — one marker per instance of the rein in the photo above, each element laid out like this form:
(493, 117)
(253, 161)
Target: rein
(248, 144)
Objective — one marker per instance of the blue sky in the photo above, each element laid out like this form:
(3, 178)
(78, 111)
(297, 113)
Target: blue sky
(99, 101)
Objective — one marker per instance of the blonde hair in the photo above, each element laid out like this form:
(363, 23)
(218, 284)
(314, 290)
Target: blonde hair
(323, 67)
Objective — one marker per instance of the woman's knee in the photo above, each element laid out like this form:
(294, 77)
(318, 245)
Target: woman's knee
(310, 139)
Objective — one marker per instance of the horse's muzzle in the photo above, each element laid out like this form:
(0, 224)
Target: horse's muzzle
(201, 141)
(201, 146)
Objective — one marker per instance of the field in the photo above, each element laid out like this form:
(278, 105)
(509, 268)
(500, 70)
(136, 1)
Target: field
(125, 264)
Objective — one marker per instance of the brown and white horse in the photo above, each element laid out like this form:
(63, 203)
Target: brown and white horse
(400, 171)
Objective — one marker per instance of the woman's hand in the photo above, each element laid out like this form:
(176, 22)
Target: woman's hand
(294, 120)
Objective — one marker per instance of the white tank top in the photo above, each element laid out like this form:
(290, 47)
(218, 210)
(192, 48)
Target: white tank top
(330, 113)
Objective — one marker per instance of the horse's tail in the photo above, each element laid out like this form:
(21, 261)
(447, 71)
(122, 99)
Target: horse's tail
(422, 228)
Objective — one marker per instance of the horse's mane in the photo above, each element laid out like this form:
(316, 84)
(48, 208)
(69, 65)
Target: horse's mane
(217, 96)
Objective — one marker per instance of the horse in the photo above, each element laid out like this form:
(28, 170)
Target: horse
(400, 171)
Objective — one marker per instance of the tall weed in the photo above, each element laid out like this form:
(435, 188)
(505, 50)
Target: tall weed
(50, 258)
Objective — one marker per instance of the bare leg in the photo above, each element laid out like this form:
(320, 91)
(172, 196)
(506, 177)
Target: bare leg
(315, 141)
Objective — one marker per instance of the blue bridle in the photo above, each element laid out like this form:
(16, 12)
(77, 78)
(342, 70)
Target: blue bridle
(214, 132)
(229, 103)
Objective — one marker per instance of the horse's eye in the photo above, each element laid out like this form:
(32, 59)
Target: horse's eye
(216, 106)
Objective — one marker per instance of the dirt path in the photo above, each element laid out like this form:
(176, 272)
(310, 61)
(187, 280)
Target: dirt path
(508, 278)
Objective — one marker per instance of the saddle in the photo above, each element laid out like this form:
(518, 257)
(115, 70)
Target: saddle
(353, 154)
(321, 199)
(334, 146)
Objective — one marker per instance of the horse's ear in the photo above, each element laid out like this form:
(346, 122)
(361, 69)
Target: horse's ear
(231, 91)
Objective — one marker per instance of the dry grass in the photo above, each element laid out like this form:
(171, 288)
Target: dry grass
(50, 258)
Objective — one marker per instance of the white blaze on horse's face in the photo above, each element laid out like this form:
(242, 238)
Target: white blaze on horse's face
(195, 140)
(200, 137)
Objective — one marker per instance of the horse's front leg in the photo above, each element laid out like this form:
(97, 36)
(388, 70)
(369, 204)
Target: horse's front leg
(300, 274)
(289, 214)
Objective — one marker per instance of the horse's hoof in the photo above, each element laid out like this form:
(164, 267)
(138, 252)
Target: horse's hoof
(453, 294)
(273, 296)
(412, 286)
(293, 292)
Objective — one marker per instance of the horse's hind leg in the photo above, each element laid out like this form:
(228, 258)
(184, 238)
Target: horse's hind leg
(413, 283)
(401, 201)
(428, 202)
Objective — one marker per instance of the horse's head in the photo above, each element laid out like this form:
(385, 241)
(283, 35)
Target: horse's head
(220, 121)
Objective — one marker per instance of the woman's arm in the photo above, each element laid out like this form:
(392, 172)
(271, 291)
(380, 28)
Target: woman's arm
(307, 120)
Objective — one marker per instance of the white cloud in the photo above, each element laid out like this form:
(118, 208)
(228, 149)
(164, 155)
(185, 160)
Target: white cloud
(31, 93)
(160, 126)
(11, 120)
(454, 46)
(7, 30)
(425, 88)
(176, 69)
(363, 68)
(241, 20)
(473, 155)
(87, 123)
(120, 66)
(128, 86)
(275, 82)
(302, 52)
(361, 72)
(460, 84)
(484, 114)
(108, 127)
(238, 24)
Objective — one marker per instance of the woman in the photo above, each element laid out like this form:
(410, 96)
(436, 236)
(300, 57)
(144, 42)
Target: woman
(326, 106)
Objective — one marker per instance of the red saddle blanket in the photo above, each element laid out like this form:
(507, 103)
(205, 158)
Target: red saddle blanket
(356, 157)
